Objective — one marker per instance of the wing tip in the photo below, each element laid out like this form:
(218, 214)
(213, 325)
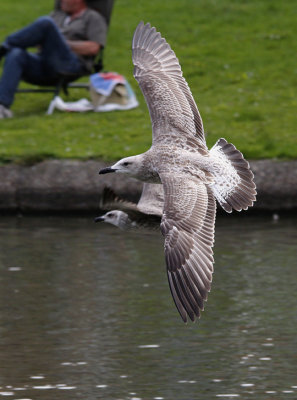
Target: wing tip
(139, 31)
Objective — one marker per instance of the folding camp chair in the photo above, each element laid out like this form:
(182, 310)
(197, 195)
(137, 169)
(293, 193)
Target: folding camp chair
(65, 82)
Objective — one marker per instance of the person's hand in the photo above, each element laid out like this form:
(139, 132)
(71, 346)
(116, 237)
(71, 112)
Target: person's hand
(84, 48)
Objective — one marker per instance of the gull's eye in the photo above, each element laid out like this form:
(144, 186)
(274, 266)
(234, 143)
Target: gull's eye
(126, 163)
(111, 214)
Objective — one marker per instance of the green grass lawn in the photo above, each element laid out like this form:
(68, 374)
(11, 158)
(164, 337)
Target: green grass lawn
(238, 56)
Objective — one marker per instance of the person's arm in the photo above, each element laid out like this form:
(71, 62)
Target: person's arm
(84, 48)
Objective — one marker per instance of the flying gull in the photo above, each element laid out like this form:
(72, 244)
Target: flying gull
(124, 214)
(192, 176)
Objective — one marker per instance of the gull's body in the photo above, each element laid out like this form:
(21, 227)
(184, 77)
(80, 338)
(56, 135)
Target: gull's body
(192, 176)
(124, 214)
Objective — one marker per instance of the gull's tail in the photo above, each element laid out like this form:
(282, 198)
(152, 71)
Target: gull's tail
(233, 185)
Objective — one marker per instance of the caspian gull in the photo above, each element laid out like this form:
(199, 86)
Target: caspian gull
(192, 176)
(124, 214)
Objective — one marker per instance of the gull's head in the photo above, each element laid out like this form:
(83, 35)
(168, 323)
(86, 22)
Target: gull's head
(115, 217)
(129, 165)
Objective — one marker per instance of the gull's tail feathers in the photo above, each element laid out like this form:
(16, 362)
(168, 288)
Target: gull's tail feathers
(233, 186)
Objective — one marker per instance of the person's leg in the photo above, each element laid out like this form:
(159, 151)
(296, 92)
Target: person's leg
(19, 64)
(15, 62)
(54, 49)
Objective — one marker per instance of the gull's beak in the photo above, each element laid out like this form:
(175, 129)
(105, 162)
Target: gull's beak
(99, 219)
(107, 170)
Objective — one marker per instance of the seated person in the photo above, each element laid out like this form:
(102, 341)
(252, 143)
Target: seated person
(68, 42)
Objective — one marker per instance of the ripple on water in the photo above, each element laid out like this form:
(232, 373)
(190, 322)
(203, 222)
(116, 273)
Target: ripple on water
(44, 387)
(67, 387)
(60, 386)
(73, 364)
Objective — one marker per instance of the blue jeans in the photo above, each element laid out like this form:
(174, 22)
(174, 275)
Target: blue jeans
(44, 68)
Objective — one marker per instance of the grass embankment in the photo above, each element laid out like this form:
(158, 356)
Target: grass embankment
(239, 58)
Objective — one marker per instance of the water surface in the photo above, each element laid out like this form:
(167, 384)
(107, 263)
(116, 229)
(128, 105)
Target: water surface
(86, 313)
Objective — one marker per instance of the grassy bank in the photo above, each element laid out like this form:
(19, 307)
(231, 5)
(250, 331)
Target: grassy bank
(239, 58)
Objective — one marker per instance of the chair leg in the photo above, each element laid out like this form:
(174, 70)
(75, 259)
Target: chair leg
(59, 86)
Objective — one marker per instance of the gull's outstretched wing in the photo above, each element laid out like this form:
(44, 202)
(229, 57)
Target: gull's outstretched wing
(188, 226)
(147, 213)
(152, 199)
(173, 111)
(111, 201)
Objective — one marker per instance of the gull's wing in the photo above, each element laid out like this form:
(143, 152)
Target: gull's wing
(111, 201)
(152, 199)
(173, 111)
(147, 215)
(188, 226)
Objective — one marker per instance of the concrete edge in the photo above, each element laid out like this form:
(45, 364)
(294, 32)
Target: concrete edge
(75, 186)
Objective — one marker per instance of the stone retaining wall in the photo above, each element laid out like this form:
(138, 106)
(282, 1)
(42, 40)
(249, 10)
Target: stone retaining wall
(55, 185)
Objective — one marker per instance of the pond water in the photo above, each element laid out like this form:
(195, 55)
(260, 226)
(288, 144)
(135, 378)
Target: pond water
(86, 313)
